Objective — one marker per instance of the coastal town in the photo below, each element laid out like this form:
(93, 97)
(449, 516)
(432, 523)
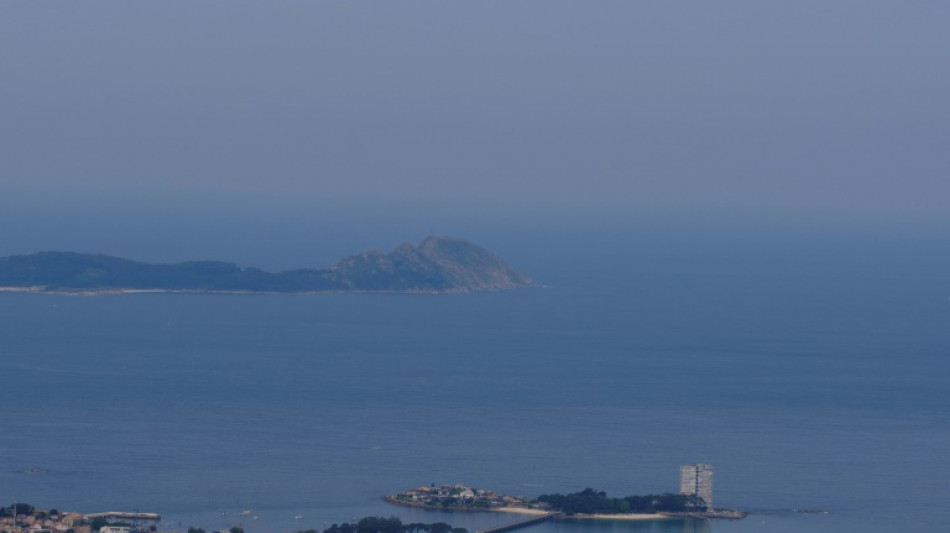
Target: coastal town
(24, 518)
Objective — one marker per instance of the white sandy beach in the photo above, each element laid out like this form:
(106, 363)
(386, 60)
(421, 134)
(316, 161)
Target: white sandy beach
(538, 512)
(519, 510)
(619, 517)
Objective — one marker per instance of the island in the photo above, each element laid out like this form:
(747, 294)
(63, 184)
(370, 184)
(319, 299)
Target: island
(458, 497)
(436, 265)
(586, 504)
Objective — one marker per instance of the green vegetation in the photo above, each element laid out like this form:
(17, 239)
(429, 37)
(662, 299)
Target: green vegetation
(374, 524)
(21, 509)
(590, 501)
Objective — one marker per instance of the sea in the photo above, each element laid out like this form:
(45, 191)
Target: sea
(812, 372)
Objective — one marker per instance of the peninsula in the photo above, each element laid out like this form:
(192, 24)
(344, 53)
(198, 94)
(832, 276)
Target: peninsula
(437, 265)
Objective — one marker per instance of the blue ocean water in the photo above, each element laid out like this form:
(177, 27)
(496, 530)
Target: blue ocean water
(811, 374)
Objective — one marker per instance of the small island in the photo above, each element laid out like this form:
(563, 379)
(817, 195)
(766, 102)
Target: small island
(436, 265)
(461, 498)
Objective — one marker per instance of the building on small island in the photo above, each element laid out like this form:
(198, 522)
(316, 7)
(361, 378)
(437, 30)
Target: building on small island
(454, 497)
(697, 480)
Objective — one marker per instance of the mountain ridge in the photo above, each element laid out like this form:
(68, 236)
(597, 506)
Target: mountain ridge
(436, 265)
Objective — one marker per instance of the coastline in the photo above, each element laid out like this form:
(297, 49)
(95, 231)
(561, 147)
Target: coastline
(41, 289)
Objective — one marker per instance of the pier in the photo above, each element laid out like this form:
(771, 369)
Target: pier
(511, 526)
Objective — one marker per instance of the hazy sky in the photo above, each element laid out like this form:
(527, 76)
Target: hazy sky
(199, 122)
(787, 103)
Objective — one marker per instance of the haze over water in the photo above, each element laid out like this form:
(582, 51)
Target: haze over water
(811, 372)
(740, 209)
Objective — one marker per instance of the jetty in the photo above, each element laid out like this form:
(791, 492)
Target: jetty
(511, 526)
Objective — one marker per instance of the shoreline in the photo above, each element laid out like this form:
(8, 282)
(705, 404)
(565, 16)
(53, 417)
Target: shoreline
(506, 509)
(41, 289)
(534, 512)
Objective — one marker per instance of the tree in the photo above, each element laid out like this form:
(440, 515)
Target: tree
(373, 524)
(440, 527)
(19, 508)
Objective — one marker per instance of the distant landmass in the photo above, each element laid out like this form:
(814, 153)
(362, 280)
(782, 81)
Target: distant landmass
(438, 264)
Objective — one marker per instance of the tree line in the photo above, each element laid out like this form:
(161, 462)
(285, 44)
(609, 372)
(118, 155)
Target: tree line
(375, 524)
(590, 501)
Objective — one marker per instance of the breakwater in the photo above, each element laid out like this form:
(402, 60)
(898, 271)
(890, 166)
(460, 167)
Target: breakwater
(511, 526)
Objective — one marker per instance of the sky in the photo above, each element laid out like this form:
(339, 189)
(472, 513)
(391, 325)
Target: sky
(433, 116)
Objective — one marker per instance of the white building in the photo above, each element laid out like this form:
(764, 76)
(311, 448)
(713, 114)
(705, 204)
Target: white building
(113, 529)
(697, 480)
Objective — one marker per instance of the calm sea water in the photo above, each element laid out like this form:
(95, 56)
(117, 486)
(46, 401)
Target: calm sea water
(812, 376)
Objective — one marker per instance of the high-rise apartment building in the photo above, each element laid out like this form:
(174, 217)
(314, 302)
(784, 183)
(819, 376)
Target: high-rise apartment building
(697, 480)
